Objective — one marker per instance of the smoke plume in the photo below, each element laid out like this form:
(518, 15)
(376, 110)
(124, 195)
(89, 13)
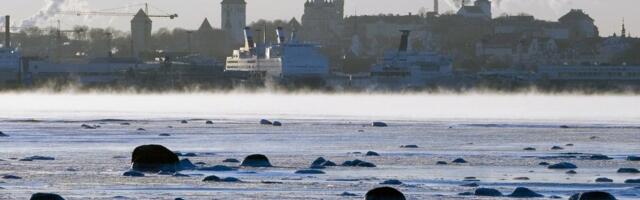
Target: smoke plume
(509, 6)
(51, 9)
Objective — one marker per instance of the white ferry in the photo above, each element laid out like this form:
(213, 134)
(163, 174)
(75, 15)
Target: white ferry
(286, 59)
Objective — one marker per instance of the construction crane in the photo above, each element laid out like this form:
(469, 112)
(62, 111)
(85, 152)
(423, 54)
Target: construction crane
(110, 12)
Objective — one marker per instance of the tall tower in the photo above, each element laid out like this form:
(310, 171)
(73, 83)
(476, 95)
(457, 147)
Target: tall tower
(624, 30)
(140, 33)
(234, 19)
(436, 7)
(485, 6)
(339, 7)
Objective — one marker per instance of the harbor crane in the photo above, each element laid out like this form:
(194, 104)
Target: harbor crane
(111, 12)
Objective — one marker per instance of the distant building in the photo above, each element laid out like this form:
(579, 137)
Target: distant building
(527, 24)
(140, 33)
(517, 49)
(580, 24)
(373, 34)
(480, 9)
(234, 19)
(322, 21)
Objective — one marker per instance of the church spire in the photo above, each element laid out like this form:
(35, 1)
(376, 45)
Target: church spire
(624, 30)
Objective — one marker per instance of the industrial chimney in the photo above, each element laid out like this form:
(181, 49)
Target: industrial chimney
(436, 7)
(248, 39)
(281, 36)
(404, 41)
(7, 31)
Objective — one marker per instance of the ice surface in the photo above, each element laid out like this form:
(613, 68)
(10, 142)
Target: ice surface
(89, 162)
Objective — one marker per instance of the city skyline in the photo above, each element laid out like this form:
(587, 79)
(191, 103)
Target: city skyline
(192, 12)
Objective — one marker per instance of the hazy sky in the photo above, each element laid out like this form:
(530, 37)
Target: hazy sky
(607, 13)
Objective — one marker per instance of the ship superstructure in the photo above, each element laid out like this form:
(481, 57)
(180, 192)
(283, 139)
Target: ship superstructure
(285, 59)
(404, 68)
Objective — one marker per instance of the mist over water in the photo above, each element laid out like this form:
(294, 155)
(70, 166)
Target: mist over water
(419, 106)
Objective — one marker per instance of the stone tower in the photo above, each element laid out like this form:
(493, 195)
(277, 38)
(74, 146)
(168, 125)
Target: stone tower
(234, 19)
(140, 33)
(485, 6)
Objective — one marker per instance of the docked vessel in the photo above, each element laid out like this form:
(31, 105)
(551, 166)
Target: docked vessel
(405, 69)
(589, 73)
(283, 60)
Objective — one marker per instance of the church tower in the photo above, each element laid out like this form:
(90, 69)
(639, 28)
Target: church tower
(485, 6)
(339, 7)
(234, 19)
(140, 33)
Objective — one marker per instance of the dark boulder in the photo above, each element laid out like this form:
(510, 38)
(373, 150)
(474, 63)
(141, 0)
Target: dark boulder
(599, 157)
(571, 172)
(522, 192)
(628, 170)
(372, 153)
(593, 195)
(556, 148)
(46, 196)
(231, 160)
(604, 180)
(133, 174)
(384, 193)
(563, 165)
(441, 163)
(392, 182)
(14, 177)
(3, 135)
(632, 181)
(32, 158)
(154, 158)
(266, 122)
(209, 122)
(379, 124)
(164, 134)
(329, 164)
(142, 129)
(277, 123)
(348, 194)
(529, 149)
(633, 158)
(212, 178)
(411, 146)
(256, 160)
(86, 126)
(459, 160)
(309, 171)
(184, 122)
(185, 164)
(231, 180)
(357, 163)
(488, 192)
(217, 168)
(543, 163)
(318, 162)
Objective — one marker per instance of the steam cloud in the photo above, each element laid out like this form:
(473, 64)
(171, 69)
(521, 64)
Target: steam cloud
(505, 6)
(51, 8)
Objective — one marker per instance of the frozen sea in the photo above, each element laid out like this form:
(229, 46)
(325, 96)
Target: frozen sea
(488, 130)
